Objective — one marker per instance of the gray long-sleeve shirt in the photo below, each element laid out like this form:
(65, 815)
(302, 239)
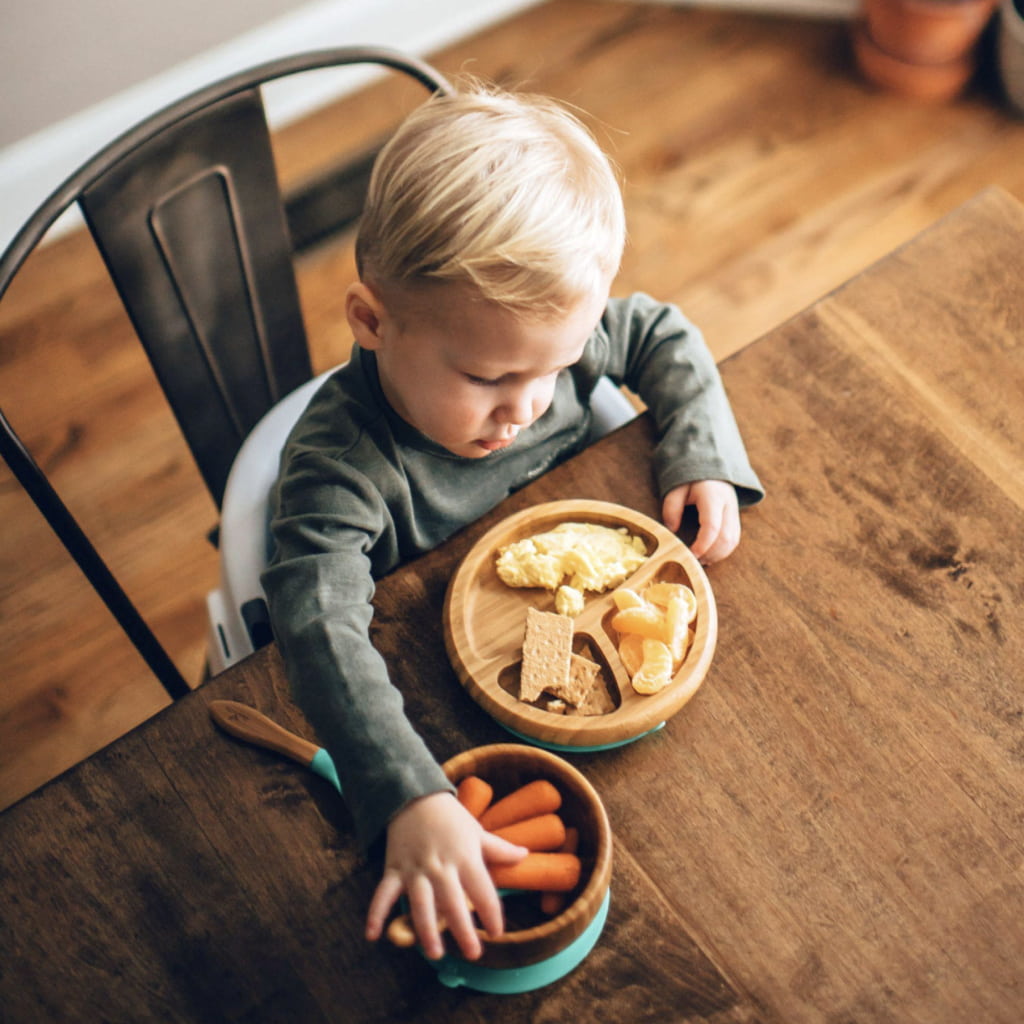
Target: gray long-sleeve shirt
(361, 491)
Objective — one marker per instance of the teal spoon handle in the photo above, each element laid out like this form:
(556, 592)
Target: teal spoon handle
(323, 766)
(246, 723)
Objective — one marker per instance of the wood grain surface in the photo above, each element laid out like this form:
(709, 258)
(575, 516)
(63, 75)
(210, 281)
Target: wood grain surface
(197, 878)
(831, 830)
(484, 622)
(870, 653)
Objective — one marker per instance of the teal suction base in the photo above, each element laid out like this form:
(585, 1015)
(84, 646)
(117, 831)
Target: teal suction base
(566, 748)
(453, 971)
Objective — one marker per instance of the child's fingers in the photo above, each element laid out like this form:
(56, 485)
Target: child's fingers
(455, 909)
(384, 898)
(500, 851)
(704, 543)
(710, 514)
(423, 911)
(723, 546)
(723, 534)
(672, 508)
(719, 516)
(484, 897)
(479, 887)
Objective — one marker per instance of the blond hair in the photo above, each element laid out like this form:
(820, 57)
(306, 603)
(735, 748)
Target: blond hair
(508, 193)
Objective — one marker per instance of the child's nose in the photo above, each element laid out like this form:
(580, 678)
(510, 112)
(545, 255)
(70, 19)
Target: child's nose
(517, 407)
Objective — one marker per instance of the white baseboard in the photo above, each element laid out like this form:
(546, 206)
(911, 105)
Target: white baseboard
(841, 9)
(31, 169)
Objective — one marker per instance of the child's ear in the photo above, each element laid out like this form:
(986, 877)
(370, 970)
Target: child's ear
(365, 314)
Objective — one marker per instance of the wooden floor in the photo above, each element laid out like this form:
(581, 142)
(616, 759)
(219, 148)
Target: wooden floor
(760, 173)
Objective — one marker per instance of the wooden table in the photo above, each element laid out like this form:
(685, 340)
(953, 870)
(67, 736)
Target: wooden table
(832, 830)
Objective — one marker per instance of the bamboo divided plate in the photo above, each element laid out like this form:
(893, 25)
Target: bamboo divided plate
(484, 623)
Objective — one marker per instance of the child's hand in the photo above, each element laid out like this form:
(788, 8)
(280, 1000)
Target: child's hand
(437, 854)
(718, 513)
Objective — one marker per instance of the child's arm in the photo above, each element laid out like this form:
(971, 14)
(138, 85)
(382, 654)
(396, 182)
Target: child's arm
(319, 590)
(344, 516)
(718, 512)
(438, 855)
(700, 458)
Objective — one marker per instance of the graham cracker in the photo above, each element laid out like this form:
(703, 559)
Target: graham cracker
(587, 684)
(547, 653)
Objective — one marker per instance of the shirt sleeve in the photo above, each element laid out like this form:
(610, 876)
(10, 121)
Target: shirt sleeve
(319, 587)
(656, 351)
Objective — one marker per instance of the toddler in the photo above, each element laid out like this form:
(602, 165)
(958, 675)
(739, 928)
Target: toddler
(482, 321)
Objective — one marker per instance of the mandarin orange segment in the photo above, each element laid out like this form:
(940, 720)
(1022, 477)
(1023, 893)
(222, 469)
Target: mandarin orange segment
(631, 651)
(625, 598)
(660, 615)
(677, 627)
(686, 645)
(663, 593)
(646, 621)
(691, 635)
(656, 671)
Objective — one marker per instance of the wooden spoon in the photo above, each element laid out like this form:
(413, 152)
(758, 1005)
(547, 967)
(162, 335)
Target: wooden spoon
(246, 723)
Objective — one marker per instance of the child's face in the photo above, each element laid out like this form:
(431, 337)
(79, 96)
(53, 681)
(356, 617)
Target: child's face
(469, 374)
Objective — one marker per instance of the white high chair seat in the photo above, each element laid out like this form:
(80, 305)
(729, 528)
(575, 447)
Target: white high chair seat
(239, 623)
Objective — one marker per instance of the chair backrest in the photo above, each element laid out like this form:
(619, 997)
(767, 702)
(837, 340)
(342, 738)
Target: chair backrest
(187, 213)
(192, 231)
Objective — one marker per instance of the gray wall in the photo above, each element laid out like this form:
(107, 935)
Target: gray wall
(74, 74)
(58, 57)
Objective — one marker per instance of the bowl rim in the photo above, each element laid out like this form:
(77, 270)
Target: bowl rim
(574, 918)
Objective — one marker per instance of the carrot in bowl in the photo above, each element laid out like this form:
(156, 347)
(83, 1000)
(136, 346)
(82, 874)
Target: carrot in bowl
(552, 903)
(474, 794)
(539, 872)
(543, 832)
(537, 797)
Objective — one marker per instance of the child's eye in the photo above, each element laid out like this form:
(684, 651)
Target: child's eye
(482, 382)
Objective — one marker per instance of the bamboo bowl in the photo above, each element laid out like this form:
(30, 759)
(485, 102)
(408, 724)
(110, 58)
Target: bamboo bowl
(507, 766)
(484, 623)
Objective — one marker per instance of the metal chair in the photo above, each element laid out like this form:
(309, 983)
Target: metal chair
(186, 211)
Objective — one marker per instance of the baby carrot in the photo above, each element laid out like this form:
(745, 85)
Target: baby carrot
(552, 903)
(543, 832)
(402, 934)
(474, 794)
(539, 872)
(537, 797)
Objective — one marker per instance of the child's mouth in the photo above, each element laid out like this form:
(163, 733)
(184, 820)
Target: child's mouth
(494, 446)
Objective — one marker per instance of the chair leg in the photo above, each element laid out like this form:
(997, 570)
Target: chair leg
(66, 527)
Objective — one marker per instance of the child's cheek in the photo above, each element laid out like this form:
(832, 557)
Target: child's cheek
(468, 410)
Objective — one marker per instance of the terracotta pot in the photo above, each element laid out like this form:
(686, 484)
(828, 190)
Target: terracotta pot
(927, 31)
(1011, 51)
(933, 82)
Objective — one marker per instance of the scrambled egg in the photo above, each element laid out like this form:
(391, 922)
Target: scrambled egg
(568, 601)
(571, 559)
